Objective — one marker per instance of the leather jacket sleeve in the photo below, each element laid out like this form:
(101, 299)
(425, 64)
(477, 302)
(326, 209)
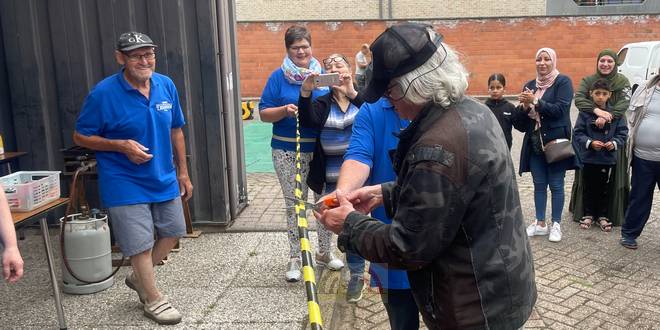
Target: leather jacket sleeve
(426, 219)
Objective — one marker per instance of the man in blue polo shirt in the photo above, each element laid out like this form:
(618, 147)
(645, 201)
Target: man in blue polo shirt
(133, 120)
(367, 160)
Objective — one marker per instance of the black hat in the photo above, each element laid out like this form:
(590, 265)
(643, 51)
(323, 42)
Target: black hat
(397, 51)
(133, 40)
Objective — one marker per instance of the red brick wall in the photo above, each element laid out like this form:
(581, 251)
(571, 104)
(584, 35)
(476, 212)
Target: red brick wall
(488, 45)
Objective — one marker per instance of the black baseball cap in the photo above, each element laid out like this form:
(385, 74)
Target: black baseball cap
(133, 40)
(397, 51)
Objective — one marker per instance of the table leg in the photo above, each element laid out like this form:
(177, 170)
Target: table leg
(53, 278)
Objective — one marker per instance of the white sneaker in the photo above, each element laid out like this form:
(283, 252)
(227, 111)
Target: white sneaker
(536, 230)
(329, 260)
(555, 233)
(293, 273)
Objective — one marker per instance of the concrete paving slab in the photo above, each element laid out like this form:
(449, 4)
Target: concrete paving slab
(255, 305)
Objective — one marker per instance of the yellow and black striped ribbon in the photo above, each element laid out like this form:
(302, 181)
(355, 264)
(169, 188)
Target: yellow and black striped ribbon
(313, 307)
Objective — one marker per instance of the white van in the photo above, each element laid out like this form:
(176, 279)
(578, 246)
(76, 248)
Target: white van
(639, 61)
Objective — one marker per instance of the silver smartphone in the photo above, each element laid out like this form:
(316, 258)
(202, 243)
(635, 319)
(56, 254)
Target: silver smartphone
(327, 79)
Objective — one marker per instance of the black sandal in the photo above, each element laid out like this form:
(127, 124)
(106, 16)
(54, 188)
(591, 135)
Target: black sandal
(586, 222)
(605, 224)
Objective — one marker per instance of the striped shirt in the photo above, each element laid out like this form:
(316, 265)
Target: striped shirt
(334, 137)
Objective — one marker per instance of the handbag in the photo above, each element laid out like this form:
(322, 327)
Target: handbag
(557, 149)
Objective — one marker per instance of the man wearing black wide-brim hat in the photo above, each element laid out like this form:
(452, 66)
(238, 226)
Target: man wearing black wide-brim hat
(457, 223)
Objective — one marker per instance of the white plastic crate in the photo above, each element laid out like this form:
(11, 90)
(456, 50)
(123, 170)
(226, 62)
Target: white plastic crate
(28, 190)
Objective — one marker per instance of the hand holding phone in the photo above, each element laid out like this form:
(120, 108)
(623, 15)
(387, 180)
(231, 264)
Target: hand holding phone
(327, 79)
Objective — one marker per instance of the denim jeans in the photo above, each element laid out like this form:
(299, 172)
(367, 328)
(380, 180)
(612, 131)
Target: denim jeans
(645, 176)
(355, 264)
(401, 309)
(543, 176)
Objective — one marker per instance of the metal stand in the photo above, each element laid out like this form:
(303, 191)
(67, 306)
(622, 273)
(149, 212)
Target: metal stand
(190, 233)
(53, 279)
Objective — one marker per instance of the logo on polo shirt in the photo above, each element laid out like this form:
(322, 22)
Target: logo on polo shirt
(164, 106)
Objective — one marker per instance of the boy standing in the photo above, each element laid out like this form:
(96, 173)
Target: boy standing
(596, 147)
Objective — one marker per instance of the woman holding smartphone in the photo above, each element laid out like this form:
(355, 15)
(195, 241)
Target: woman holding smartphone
(333, 114)
(544, 112)
(278, 105)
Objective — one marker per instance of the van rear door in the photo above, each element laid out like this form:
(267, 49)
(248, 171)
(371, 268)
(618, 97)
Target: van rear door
(654, 64)
(634, 63)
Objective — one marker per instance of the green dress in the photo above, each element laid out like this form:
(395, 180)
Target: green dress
(619, 186)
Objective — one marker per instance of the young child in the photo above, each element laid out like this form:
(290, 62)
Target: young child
(596, 147)
(502, 108)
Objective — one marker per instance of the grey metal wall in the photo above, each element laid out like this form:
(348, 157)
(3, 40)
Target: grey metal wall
(53, 52)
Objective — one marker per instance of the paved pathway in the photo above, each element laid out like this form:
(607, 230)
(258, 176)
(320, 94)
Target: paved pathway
(234, 279)
(586, 281)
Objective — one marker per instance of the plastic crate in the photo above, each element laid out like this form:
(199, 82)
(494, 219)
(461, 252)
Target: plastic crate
(28, 190)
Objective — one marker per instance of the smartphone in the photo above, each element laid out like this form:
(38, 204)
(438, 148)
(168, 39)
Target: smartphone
(327, 79)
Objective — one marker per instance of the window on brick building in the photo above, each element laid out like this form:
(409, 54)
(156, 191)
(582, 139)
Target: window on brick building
(607, 2)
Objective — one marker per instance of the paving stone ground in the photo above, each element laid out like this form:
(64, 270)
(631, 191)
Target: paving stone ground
(586, 281)
(235, 279)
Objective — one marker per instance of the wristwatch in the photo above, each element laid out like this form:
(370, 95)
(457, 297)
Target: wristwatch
(535, 102)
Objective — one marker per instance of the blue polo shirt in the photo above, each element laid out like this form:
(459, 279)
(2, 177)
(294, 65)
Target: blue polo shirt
(116, 110)
(278, 92)
(373, 137)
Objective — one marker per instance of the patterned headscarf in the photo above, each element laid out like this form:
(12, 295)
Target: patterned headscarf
(545, 81)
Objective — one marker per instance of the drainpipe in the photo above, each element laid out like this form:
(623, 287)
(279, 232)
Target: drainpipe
(389, 9)
(380, 9)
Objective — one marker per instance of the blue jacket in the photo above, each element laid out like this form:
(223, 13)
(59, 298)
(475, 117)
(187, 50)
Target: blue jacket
(554, 108)
(585, 131)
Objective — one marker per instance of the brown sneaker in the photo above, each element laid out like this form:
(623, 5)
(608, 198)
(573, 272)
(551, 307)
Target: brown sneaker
(134, 284)
(162, 311)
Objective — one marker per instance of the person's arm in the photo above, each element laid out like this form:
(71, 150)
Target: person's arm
(135, 152)
(425, 222)
(12, 263)
(621, 134)
(352, 175)
(359, 157)
(361, 61)
(580, 132)
(269, 109)
(312, 113)
(520, 119)
(274, 114)
(179, 148)
(562, 103)
(90, 130)
(622, 103)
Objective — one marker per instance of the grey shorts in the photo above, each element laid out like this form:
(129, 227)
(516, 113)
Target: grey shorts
(133, 225)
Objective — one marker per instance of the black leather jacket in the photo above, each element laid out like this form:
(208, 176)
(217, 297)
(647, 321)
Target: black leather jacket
(457, 222)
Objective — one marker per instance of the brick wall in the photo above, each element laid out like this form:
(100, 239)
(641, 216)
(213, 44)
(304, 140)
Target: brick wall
(282, 10)
(488, 45)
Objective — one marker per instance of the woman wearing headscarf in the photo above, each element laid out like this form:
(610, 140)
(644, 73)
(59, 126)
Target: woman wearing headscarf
(279, 105)
(619, 186)
(544, 113)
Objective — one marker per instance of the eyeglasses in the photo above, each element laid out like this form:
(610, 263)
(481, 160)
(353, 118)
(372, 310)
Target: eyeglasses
(330, 60)
(139, 57)
(388, 92)
(297, 48)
